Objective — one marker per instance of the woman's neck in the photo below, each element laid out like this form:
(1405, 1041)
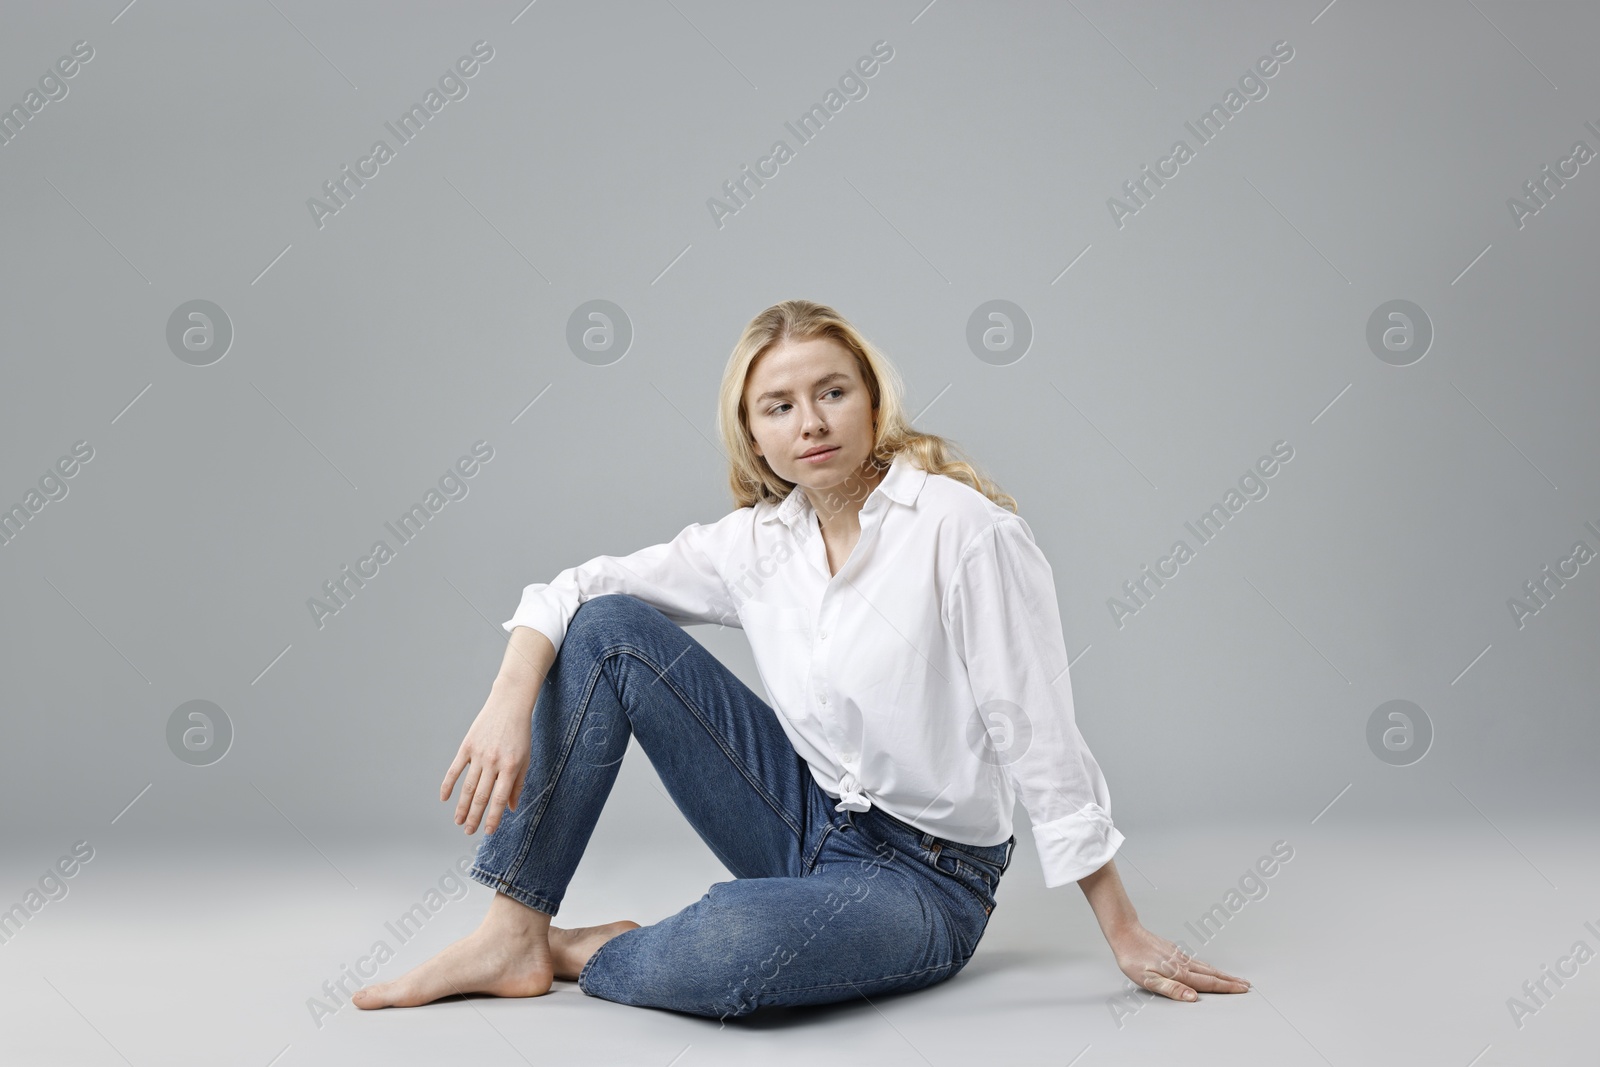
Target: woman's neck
(839, 506)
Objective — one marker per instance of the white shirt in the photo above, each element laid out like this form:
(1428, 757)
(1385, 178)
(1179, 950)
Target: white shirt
(945, 609)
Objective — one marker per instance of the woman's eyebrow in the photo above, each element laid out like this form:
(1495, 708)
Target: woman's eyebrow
(824, 380)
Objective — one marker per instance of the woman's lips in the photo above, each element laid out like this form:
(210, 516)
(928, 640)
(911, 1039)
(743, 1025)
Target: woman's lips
(820, 456)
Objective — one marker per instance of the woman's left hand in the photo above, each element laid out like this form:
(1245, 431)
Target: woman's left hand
(1154, 963)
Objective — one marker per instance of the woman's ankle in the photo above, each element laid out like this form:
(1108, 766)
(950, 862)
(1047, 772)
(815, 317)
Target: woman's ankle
(508, 915)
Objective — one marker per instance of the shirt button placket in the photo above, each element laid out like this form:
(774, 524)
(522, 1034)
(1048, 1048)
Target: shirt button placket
(819, 661)
(819, 655)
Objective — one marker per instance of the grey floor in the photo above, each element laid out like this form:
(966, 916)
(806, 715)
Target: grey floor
(1372, 945)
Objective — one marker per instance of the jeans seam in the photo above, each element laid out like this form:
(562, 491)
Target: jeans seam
(931, 856)
(588, 963)
(516, 893)
(566, 751)
(816, 853)
(869, 981)
(561, 765)
(987, 907)
(955, 846)
(979, 873)
(694, 708)
(982, 903)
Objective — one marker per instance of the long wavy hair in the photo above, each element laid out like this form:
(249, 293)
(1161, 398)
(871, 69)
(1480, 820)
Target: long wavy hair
(751, 479)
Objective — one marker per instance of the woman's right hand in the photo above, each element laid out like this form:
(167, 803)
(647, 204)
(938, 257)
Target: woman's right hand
(495, 756)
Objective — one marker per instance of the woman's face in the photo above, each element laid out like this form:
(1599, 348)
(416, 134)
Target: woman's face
(805, 395)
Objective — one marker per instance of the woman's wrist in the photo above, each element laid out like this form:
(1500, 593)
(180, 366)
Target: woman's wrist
(519, 688)
(1112, 909)
(528, 659)
(1121, 930)
(1118, 923)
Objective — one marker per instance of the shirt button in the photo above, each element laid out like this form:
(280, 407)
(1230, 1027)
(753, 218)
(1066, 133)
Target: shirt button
(823, 698)
(824, 635)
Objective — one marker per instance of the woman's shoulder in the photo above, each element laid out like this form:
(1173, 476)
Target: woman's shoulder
(960, 509)
(722, 533)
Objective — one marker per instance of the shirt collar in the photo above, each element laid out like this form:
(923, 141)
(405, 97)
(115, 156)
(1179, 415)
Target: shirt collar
(901, 484)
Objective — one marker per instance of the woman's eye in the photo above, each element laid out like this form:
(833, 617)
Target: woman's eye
(775, 409)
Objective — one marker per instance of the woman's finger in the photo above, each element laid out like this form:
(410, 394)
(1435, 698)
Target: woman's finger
(453, 773)
(491, 798)
(480, 798)
(1173, 964)
(1212, 983)
(1202, 967)
(1168, 987)
(469, 784)
(497, 802)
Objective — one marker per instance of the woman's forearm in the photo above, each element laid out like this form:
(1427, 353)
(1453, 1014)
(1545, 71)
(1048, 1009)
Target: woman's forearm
(1110, 901)
(529, 657)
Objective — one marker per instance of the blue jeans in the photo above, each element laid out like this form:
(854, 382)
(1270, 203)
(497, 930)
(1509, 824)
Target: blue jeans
(824, 905)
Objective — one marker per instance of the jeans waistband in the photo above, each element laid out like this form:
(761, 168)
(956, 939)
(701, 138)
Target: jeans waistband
(998, 855)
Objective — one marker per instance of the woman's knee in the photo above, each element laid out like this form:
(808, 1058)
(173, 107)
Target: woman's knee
(756, 942)
(703, 960)
(608, 616)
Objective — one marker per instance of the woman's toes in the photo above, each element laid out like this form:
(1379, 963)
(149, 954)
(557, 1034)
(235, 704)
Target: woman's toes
(372, 996)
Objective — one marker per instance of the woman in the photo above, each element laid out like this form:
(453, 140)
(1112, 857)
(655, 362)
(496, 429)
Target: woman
(906, 628)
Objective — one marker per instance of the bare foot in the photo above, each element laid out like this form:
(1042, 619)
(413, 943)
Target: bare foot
(507, 956)
(571, 949)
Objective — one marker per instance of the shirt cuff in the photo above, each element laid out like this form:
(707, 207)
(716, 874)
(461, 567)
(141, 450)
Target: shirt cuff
(537, 613)
(1075, 846)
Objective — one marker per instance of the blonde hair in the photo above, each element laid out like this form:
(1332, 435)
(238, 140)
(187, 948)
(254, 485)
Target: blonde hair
(751, 479)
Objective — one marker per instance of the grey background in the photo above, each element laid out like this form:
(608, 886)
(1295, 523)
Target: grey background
(1230, 313)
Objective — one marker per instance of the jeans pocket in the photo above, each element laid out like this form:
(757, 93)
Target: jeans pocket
(997, 857)
(967, 876)
(815, 853)
(980, 872)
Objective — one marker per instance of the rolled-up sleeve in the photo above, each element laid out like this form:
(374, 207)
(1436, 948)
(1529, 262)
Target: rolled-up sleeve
(679, 578)
(1001, 611)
